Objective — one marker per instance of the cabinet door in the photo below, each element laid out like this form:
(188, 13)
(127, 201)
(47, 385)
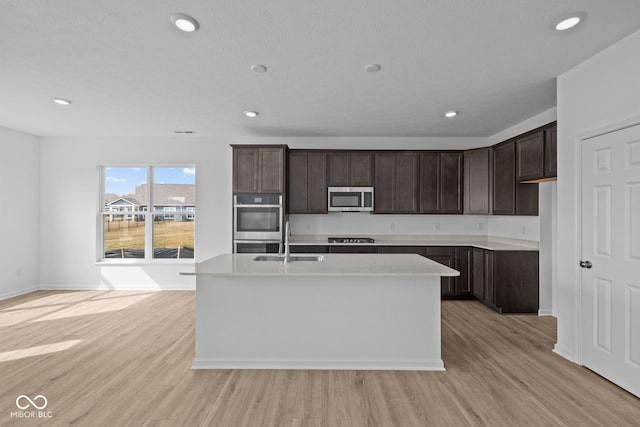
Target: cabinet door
(489, 288)
(245, 169)
(476, 181)
(384, 182)
(406, 186)
(298, 183)
(429, 182)
(550, 152)
(504, 180)
(530, 157)
(463, 265)
(419, 250)
(271, 167)
(361, 173)
(353, 249)
(444, 255)
(317, 182)
(339, 168)
(451, 183)
(478, 275)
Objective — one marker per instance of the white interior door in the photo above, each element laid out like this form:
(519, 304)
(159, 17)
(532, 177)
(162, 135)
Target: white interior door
(611, 244)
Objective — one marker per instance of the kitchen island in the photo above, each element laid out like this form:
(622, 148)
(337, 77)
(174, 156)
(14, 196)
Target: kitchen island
(346, 311)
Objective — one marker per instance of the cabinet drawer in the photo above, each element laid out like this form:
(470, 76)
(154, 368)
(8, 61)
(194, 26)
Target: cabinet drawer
(440, 251)
(309, 249)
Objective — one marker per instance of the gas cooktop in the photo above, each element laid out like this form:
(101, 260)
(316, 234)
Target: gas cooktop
(350, 240)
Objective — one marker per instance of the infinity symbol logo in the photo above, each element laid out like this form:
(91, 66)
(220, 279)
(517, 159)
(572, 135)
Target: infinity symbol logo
(24, 397)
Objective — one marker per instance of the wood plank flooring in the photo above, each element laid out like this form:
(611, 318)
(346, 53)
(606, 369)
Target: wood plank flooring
(123, 358)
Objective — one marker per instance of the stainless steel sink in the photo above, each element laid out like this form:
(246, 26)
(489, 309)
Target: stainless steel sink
(291, 258)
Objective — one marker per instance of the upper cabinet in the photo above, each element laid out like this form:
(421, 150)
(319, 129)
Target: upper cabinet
(536, 155)
(396, 182)
(510, 197)
(350, 168)
(259, 169)
(551, 152)
(441, 182)
(307, 181)
(477, 181)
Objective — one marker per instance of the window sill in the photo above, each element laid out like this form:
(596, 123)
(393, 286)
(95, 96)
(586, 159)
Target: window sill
(138, 262)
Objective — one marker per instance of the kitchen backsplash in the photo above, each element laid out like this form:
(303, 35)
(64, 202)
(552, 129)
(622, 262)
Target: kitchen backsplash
(345, 223)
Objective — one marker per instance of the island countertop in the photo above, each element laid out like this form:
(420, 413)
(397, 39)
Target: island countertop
(331, 265)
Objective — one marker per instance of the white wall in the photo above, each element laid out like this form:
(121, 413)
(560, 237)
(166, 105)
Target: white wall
(603, 90)
(69, 208)
(19, 214)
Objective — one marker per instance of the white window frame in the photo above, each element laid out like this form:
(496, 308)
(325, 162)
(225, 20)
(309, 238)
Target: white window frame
(144, 211)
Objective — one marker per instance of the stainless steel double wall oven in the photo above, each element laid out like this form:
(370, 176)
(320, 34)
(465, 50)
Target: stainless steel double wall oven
(257, 223)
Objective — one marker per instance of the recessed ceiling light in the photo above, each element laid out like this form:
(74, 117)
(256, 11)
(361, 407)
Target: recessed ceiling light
(251, 113)
(569, 21)
(61, 101)
(259, 68)
(185, 22)
(450, 114)
(184, 131)
(372, 68)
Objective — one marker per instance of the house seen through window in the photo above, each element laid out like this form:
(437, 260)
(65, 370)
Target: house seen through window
(148, 212)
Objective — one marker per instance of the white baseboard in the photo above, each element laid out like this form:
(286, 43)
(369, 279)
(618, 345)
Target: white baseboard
(7, 295)
(391, 365)
(126, 287)
(545, 312)
(564, 353)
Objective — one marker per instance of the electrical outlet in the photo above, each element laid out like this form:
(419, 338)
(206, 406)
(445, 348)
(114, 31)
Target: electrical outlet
(524, 229)
(392, 226)
(436, 226)
(480, 226)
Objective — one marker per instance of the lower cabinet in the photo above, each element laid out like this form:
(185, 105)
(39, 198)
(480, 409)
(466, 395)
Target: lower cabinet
(506, 281)
(456, 258)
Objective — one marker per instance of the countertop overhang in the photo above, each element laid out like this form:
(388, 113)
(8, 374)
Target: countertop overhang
(331, 265)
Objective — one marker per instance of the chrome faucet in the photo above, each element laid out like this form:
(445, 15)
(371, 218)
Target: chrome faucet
(287, 250)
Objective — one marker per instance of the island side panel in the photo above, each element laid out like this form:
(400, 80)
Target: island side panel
(318, 322)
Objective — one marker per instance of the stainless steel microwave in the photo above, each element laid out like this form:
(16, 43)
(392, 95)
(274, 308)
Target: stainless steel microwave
(350, 199)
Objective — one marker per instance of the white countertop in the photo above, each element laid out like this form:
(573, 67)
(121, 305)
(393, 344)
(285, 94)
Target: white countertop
(490, 243)
(332, 265)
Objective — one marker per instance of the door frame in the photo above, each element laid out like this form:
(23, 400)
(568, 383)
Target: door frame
(580, 138)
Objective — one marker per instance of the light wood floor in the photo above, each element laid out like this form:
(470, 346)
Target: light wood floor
(121, 358)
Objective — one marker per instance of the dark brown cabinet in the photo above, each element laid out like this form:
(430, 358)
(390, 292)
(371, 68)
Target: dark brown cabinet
(506, 281)
(309, 249)
(353, 249)
(445, 256)
(441, 182)
(504, 178)
(509, 197)
(536, 155)
(259, 169)
(551, 152)
(350, 168)
(396, 182)
(477, 181)
(463, 286)
(307, 182)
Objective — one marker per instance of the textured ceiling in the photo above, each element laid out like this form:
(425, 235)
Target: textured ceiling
(128, 71)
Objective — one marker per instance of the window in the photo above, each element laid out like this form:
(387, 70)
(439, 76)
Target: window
(147, 212)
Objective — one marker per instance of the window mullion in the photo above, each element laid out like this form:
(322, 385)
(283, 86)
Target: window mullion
(148, 231)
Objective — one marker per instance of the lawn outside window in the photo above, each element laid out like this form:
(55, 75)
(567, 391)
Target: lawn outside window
(146, 214)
